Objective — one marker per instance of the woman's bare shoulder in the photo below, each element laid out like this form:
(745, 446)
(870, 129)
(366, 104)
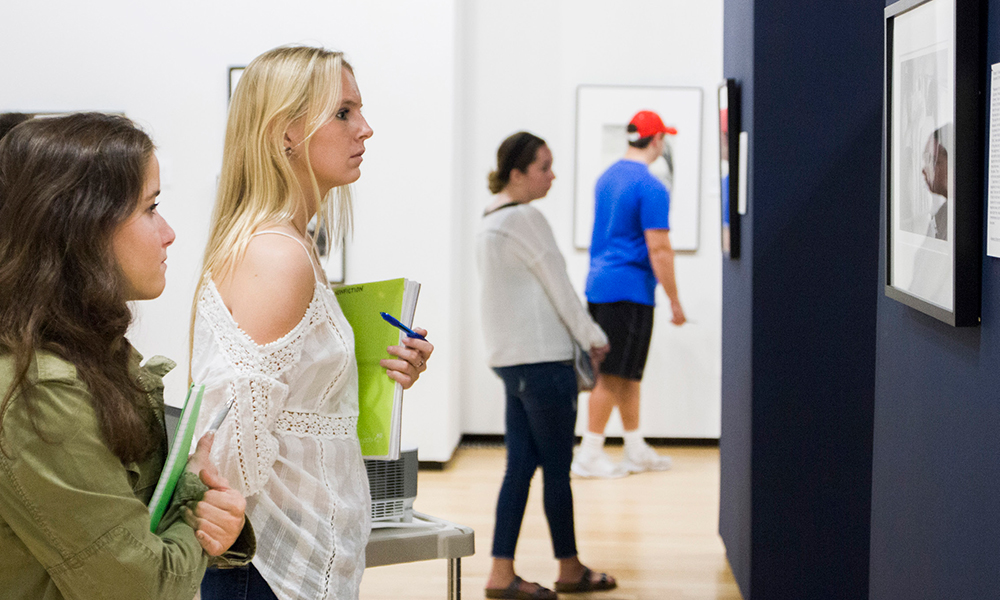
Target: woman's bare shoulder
(270, 289)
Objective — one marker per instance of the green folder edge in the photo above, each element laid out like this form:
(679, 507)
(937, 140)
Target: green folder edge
(175, 464)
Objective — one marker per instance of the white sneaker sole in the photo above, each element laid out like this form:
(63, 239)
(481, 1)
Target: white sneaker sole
(632, 467)
(579, 471)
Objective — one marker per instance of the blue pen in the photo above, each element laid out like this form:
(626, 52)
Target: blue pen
(392, 321)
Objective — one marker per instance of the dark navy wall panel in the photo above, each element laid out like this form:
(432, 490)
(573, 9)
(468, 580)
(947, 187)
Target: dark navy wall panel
(737, 275)
(812, 289)
(817, 178)
(936, 461)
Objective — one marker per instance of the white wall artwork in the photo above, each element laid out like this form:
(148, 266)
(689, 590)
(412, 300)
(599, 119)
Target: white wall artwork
(603, 113)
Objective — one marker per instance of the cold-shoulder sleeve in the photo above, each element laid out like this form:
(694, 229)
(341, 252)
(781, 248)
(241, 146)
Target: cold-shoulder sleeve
(245, 446)
(69, 501)
(233, 367)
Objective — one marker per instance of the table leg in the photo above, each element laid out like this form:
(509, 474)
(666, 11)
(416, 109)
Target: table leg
(454, 579)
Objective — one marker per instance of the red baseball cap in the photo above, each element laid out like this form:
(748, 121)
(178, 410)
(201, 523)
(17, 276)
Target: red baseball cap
(648, 123)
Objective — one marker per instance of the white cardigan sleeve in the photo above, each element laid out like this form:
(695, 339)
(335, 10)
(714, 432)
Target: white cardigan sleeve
(542, 256)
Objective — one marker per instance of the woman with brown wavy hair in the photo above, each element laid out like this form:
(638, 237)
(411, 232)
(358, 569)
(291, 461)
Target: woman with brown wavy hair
(531, 318)
(81, 421)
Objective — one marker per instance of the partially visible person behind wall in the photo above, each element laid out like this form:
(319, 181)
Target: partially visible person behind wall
(269, 335)
(10, 120)
(82, 438)
(531, 317)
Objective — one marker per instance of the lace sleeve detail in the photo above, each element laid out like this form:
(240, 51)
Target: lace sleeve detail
(245, 447)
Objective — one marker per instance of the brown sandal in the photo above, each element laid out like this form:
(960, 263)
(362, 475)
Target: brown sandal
(514, 592)
(586, 584)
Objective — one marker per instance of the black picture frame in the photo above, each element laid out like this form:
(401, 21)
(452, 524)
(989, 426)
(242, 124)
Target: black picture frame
(235, 72)
(933, 156)
(729, 161)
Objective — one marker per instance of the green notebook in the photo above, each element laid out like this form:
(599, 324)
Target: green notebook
(380, 399)
(176, 458)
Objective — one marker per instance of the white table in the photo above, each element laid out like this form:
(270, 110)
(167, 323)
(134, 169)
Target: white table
(426, 538)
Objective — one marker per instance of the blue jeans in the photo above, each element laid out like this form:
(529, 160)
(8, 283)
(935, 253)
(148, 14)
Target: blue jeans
(541, 416)
(240, 583)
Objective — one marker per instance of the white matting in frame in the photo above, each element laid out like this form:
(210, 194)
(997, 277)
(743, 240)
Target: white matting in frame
(602, 116)
(923, 118)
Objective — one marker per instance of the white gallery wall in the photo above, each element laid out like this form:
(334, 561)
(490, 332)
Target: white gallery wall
(165, 64)
(443, 81)
(524, 61)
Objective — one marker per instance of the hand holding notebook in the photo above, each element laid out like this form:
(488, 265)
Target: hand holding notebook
(176, 458)
(219, 517)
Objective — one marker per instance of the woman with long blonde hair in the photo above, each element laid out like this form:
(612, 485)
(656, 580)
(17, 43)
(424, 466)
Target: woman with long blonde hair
(268, 334)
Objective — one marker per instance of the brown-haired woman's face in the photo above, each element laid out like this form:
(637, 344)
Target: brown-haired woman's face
(140, 243)
(540, 174)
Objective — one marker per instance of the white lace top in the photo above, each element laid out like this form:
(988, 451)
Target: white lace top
(289, 443)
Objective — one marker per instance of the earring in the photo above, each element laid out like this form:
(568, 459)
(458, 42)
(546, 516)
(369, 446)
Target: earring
(288, 151)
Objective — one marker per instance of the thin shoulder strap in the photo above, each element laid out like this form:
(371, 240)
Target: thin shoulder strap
(292, 237)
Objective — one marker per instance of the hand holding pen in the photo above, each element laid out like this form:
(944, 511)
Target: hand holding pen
(395, 323)
(411, 354)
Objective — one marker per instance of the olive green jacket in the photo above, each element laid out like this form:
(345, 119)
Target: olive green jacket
(73, 519)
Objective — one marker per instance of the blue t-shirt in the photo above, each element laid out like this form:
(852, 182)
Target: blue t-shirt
(628, 201)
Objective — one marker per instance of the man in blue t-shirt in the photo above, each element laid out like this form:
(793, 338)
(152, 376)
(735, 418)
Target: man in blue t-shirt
(629, 253)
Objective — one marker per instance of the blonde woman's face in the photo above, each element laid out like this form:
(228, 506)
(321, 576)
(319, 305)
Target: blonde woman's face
(336, 149)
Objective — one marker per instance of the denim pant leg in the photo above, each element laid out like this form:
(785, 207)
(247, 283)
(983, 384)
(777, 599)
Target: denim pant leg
(240, 583)
(551, 409)
(522, 460)
(544, 395)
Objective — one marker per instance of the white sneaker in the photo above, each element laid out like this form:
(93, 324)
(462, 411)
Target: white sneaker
(644, 458)
(588, 463)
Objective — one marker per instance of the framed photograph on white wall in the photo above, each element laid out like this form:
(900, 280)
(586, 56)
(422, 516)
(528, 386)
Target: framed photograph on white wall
(602, 116)
(234, 77)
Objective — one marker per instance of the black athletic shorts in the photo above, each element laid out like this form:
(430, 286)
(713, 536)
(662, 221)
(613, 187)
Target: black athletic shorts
(629, 327)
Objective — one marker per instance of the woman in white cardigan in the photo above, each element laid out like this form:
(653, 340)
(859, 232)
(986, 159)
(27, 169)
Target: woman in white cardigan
(531, 316)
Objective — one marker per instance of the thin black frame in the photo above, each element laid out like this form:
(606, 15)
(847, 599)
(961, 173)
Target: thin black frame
(230, 84)
(732, 91)
(968, 160)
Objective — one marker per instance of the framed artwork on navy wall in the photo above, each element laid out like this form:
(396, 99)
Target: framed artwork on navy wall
(729, 160)
(933, 156)
(332, 257)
